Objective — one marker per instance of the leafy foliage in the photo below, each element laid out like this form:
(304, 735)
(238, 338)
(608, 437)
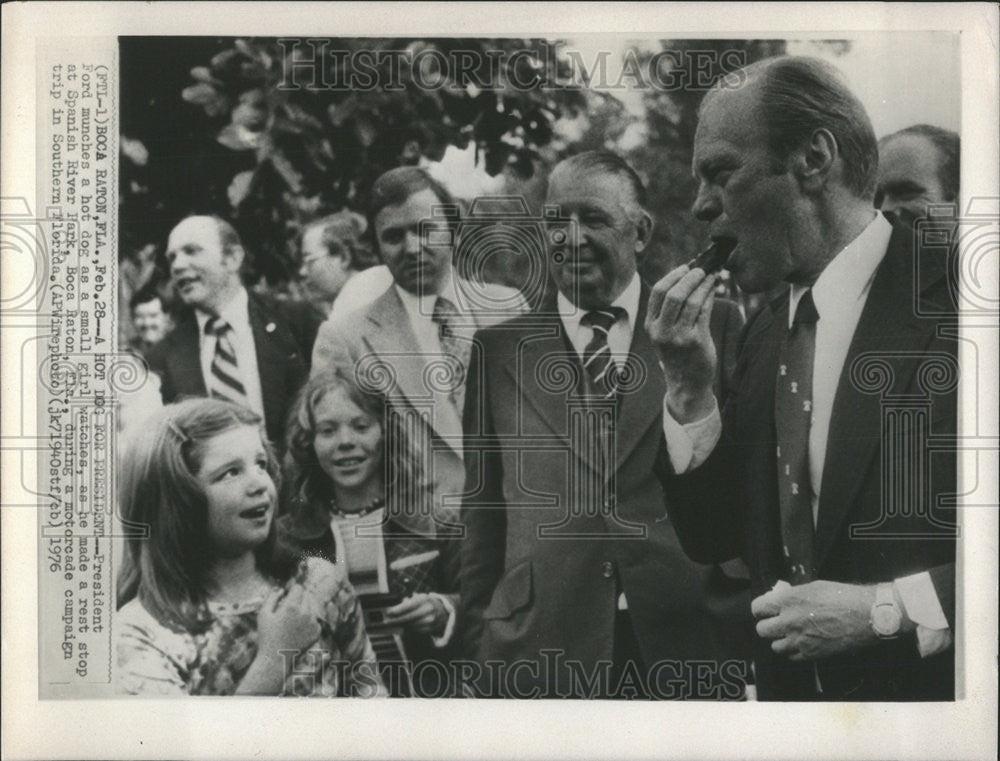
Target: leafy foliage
(270, 156)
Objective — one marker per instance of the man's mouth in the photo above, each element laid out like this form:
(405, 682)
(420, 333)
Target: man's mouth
(184, 282)
(418, 264)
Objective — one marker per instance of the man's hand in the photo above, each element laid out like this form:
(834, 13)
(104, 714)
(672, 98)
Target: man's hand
(677, 320)
(816, 620)
(419, 612)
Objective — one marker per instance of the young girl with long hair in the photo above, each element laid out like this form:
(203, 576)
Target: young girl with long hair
(209, 603)
(358, 496)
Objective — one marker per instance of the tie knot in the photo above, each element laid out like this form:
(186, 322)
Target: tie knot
(604, 318)
(805, 313)
(216, 326)
(444, 311)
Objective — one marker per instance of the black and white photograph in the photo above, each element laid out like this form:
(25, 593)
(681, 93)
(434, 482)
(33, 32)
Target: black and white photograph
(534, 386)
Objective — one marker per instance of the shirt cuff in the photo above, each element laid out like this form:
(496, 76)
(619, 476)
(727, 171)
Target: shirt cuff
(690, 445)
(449, 627)
(920, 601)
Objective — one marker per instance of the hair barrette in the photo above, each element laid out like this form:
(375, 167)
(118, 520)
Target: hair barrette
(175, 429)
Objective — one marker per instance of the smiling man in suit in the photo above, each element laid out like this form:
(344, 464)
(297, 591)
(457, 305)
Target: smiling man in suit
(230, 343)
(572, 576)
(413, 341)
(819, 474)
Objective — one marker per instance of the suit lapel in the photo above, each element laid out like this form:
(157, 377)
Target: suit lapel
(186, 360)
(271, 361)
(888, 324)
(639, 408)
(389, 335)
(546, 372)
(549, 347)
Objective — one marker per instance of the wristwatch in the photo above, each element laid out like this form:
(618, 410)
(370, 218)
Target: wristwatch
(886, 616)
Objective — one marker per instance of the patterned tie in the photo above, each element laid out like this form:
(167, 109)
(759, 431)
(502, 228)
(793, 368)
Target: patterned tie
(793, 417)
(224, 381)
(602, 371)
(447, 316)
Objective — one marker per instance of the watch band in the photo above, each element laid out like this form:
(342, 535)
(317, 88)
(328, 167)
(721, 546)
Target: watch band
(884, 595)
(886, 616)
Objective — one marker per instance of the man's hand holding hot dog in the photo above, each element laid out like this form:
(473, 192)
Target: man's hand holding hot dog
(680, 306)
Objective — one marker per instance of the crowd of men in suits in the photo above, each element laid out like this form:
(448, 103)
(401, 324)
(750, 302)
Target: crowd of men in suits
(653, 495)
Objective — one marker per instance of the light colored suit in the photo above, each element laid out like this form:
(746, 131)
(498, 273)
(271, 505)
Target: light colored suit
(379, 345)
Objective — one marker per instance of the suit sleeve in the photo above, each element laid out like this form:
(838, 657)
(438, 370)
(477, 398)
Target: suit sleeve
(483, 549)
(727, 345)
(331, 350)
(703, 504)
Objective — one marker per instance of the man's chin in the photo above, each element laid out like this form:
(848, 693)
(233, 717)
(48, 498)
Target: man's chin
(587, 290)
(755, 282)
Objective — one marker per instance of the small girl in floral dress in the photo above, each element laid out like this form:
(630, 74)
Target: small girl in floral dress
(209, 604)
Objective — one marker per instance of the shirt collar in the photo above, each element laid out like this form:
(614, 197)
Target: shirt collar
(849, 274)
(424, 305)
(236, 311)
(628, 300)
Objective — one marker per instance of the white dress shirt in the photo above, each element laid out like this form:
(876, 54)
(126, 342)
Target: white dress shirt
(840, 294)
(237, 313)
(619, 336)
(420, 310)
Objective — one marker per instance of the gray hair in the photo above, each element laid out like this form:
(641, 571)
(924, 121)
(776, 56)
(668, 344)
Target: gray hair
(799, 95)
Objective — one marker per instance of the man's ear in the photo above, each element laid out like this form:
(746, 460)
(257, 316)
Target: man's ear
(643, 231)
(814, 161)
(234, 254)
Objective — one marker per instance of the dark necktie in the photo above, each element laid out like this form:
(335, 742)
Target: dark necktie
(602, 372)
(446, 316)
(793, 418)
(225, 382)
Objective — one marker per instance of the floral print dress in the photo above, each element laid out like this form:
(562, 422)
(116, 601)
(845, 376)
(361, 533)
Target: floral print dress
(153, 659)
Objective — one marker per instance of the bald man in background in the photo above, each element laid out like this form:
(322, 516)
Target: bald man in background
(230, 343)
(917, 166)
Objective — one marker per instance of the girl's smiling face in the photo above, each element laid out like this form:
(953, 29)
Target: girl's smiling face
(348, 441)
(238, 489)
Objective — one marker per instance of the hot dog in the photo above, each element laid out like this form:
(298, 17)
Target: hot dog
(713, 258)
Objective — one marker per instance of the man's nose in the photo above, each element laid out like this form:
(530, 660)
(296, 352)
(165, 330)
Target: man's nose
(889, 205)
(412, 241)
(707, 205)
(583, 232)
(177, 264)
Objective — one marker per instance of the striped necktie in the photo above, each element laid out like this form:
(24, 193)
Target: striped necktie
(446, 317)
(224, 380)
(602, 371)
(793, 419)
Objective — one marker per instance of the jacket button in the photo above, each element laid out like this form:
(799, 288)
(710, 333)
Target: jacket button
(607, 569)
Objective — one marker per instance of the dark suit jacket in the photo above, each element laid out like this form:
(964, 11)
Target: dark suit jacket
(872, 482)
(283, 333)
(549, 546)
